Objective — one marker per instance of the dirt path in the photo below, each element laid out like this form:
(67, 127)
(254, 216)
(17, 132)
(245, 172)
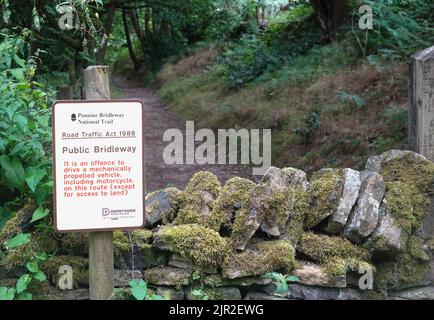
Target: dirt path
(157, 121)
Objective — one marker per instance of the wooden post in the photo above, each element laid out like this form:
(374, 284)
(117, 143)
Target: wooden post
(101, 262)
(421, 111)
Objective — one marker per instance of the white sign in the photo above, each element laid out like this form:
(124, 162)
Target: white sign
(98, 150)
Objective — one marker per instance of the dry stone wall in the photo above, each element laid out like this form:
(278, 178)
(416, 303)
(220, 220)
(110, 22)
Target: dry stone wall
(326, 232)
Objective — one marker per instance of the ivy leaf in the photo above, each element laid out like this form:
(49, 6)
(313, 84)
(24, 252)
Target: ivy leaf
(32, 267)
(7, 293)
(139, 289)
(196, 293)
(40, 276)
(39, 214)
(14, 172)
(23, 282)
(292, 279)
(34, 176)
(41, 256)
(18, 240)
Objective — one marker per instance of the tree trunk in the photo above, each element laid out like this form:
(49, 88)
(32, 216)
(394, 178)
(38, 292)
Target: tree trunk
(136, 25)
(129, 42)
(332, 14)
(107, 31)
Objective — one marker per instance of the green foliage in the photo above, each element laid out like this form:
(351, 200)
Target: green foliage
(199, 294)
(33, 271)
(354, 99)
(25, 136)
(245, 60)
(312, 122)
(401, 27)
(17, 241)
(139, 290)
(281, 281)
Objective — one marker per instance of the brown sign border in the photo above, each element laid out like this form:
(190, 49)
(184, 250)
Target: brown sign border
(53, 126)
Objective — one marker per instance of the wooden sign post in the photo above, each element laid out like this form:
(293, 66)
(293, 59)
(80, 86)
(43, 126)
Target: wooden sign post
(101, 260)
(98, 153)
(421, 116)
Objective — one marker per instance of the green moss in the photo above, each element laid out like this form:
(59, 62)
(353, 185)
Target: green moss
(431, 244)
(296, 200)
(168, 276)
(13, 225)
(409, 184)
(176, 200)
(407, 205)
(374, 295)
(411, 270)
(233, 195)
(415, 249)
(335, 254)
(121, 243)
(215, 294)
(73, 243)
(198, 199)
(244, 224)
(40, 242)
(8, 282)
(263, 257)
(205, 247)
(79, 266)
(137, 239)
(326, 188)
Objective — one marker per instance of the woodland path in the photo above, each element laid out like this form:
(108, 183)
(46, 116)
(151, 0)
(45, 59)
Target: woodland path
(157, 120)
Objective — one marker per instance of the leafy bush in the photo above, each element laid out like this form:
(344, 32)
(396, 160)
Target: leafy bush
(246, 60)
(312, 122)
(293, 32)
(401, 27)
(25, 135)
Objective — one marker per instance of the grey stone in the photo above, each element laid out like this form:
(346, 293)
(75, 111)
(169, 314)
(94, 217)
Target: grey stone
(426, 229)
(167, 276)
(376, 163)
(365, 216)
(218, 281)
(251, 220)
(76, 294)
(419, 293)
(221, 293)
(302, 292)
(161, 206)
(387, 237)
(312, 275)
(278, 180)
(123, 277)
(350, 194)
(142, 259)
(178, 261)
(253, 295)
(169, 293)
(325, 196)
(282, 179)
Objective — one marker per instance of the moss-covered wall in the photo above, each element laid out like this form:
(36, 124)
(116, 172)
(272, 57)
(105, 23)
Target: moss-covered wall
(216, 242)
